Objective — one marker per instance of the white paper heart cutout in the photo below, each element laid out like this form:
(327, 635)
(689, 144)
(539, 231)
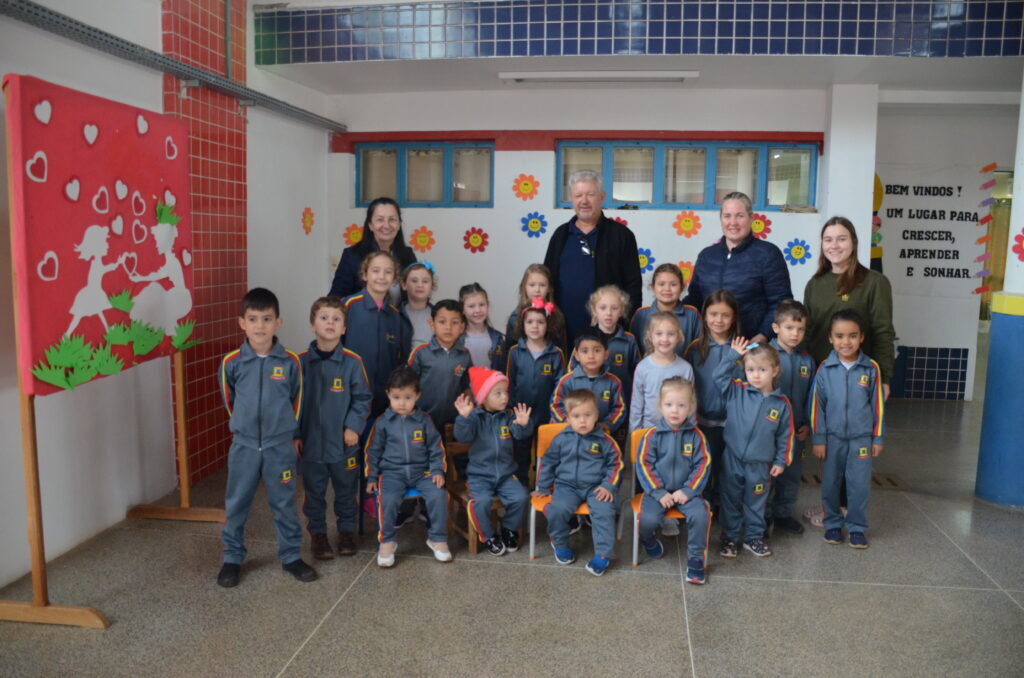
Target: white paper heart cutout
(169, 198)
(134, 259)
(186, 257)
(90, 132)
(49, 259)
(138, 204)
(35, 168)
(42, 111)
(117, 225)
(72, 189)
(141, 124)
(139, 232)
(170, 149)
(101, 201)
(120, 189)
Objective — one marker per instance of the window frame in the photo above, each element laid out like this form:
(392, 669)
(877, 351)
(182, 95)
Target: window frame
(401, 170)
(710, 170)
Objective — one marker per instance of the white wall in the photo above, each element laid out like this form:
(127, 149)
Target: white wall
(109, 444)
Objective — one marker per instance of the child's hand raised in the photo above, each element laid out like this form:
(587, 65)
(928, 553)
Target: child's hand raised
(776, 470)
(739, 344)
(464, 405)
(522, 412)
(667, 500)
(603, 495)
(438, 480)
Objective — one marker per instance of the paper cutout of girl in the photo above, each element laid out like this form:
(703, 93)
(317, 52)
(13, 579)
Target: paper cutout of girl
(92, 299)
(156, 305)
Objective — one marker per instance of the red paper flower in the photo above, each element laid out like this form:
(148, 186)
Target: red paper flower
(1018, 247)
(475, 239)
(422, 239)
(307, 220)
(621, 221)
(760, 226)
(686, 268)
(687, 223)
(525, 187)
(353, 234)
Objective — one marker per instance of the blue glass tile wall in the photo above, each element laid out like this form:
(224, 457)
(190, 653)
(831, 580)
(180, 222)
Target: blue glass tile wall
(455, 30)
(935, 373)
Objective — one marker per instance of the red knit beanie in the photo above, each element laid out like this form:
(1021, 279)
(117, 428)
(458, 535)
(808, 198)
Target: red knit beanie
(482, 380)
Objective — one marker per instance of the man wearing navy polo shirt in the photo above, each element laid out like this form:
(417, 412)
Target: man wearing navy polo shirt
(588, 251)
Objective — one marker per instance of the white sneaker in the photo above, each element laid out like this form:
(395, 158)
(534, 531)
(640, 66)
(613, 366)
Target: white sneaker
(386, 554)
(670, 527)
(440, 549)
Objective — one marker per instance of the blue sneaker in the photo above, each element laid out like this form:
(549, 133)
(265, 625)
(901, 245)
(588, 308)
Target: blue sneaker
(597, 565)
(654, 548)
(858, 540)
(695, 571)
(834, 536)
(563, 556)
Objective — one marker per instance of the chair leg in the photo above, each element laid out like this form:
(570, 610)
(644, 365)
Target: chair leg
(636, 540)
(533, 532)
(473, 538)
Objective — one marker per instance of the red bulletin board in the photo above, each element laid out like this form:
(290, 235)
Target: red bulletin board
(101, 234)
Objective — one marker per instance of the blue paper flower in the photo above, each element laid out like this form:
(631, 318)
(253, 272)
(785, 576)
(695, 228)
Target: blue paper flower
(797, 252)
(534, 224)
(646, 260)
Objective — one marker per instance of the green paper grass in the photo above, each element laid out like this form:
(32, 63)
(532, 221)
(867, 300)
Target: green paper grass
(144, 338)
(182, 332)
(105, 362)
(118, 335)
(122, 301)
(69, 352)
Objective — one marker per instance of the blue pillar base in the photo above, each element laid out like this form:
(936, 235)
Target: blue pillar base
(1000, 478)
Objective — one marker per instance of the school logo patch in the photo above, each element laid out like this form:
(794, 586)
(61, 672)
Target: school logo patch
(606, 394)
(863, 381)
(417, 436)
(759, 488)
(351, 463)
(546, 369)
(459, 369)
(338, 386)
(863, 452)
(389, 337)
(504, 433)
(687, 449)
(277, 374)
(619, 359)
(773, 414)
(595, 448)
(805, 371)
(286, 476)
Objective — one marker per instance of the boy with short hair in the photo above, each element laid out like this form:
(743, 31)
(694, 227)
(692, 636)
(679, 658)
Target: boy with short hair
(442, 363)
(582, 464)
(847, 424)
(591, 374)
(336, 403)
(404, 452)
(795, 381)
(490, 428)
(262, 387)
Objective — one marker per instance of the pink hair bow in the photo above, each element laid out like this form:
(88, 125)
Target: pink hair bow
(546, 306)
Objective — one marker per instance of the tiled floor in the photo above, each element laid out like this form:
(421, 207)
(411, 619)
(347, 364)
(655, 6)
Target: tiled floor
(940, 591)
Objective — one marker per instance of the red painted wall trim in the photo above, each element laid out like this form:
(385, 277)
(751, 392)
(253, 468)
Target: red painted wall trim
(545, 140)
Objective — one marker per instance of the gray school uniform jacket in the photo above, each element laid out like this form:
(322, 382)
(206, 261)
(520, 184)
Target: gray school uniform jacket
(263, 396)
(847, 403)
(532, 380)
(668, 460)
(623, 357)
(710, 403)
(406, 446)
(796, 380)
(611, 408)
(580, 462)
(490, 437)
(758, 427)
(444, 374)
(336, 396)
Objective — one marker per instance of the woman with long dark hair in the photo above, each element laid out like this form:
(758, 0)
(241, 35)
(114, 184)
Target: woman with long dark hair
(382, 230)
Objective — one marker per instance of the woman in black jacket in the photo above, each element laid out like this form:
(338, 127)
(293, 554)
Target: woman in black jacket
(382, 230)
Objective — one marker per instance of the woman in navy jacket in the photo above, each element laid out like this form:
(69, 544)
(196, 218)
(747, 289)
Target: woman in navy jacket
(753, 270)
(382, 230)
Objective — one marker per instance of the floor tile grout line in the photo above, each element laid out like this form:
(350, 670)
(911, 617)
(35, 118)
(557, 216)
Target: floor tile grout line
(686, 612)
(564, 568)
(840, 582)
(329, 613)
(960, 548)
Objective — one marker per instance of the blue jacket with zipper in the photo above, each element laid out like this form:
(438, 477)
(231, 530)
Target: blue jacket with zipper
(336, 397)
(668, 460)
(847, 403)
(263, 395)
(490, 437)
(580, 462)
(407, 446)
(532, 380)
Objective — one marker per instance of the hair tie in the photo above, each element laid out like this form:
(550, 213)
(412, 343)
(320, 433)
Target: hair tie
(751, 347)
(541, 305)
(425, 264)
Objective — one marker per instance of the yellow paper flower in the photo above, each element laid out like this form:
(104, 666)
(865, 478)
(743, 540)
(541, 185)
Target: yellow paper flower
(422, 239)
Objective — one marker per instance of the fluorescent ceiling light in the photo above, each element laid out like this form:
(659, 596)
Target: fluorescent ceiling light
(597, 76)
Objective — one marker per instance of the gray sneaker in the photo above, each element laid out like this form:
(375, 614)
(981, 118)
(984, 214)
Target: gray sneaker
(759, 547)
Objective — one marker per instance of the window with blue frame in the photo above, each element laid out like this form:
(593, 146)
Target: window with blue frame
(427, 174)
(697, 175)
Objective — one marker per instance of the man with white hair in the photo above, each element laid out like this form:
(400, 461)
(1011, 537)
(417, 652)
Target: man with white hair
(588, 251)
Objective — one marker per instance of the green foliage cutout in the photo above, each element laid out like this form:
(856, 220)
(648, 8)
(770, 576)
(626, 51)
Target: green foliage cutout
(122, 301)
(165, 214)
(67, 363)
(182, 332)
(117, 335)
(105, 362)
(144, 338)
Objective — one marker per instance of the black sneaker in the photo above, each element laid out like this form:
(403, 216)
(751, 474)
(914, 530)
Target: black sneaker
(575, 524)
(300, 570)
(511, 541)
(404, 518)
(759, 547)
(494, 546)
(727, 548)
(229, 575)
(789, 524)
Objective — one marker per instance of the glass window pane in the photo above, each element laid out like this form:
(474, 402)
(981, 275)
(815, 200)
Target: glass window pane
(737, 171)
(471, 175)
(378, 169)
(633, 179)
(424, 175)
(684, 175)
(578, 158)
(789, 176)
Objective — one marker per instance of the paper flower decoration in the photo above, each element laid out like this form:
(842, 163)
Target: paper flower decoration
(307, 220)
(646, 260)
(525, 187)
(422, 239)
(353, 234)
(797, 252)
(1018, 246)
(475, 239)
(760, 226)
(534, 224)
(621, 221)
(686, 268)
(687, 223)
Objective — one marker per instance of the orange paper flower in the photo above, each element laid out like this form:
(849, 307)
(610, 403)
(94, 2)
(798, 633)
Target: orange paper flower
(525, 187)
(307, 220)
(760, 226)
(353, 234)
(687, 223)
(686, 268)
(475, 239)
(422, 239)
